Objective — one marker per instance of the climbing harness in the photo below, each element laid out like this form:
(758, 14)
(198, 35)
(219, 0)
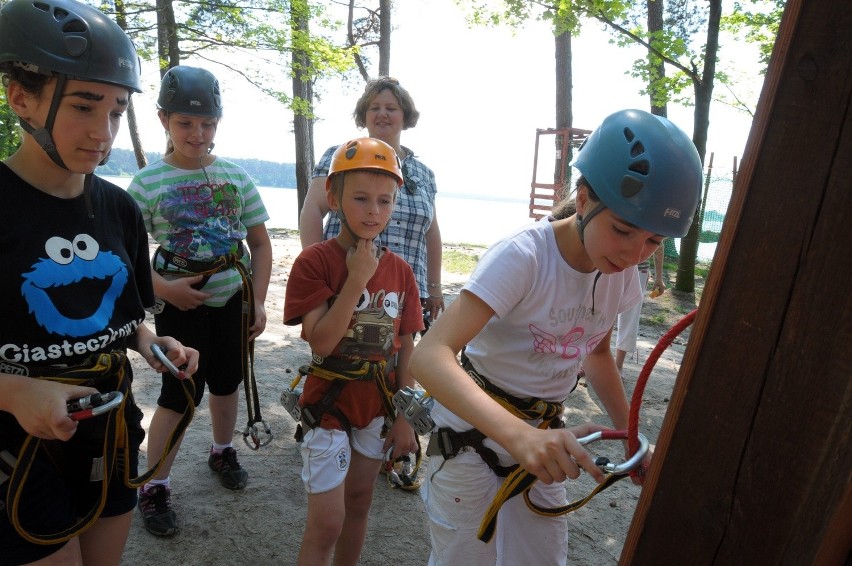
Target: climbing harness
(401, 472)
(520, 481)
(105, 371)
(256, 432)
(339, 372)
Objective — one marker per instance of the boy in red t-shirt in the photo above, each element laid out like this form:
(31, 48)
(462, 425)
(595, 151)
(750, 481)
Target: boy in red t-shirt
(359, 307)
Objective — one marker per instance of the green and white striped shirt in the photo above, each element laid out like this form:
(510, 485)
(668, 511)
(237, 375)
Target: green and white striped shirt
(200, 217)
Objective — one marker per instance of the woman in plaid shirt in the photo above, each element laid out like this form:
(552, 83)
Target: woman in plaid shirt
(386, 109)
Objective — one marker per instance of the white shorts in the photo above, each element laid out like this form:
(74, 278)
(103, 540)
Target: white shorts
(458, 492)
(326, 453)
(628, 321)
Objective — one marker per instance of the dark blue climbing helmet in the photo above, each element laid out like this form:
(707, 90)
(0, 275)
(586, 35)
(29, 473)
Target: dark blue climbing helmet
(645, 169)
(64, 37)
(68, 40)
(191, 91)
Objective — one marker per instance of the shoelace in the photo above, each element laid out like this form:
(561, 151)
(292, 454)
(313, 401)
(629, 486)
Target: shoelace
(157, 498)
(228, 460)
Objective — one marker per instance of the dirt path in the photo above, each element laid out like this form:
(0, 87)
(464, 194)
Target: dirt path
(263, 524)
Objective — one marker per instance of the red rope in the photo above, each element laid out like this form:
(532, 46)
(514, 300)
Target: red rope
(636, 401)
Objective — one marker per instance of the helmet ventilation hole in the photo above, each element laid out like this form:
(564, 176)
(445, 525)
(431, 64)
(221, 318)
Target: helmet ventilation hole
(642, 167)
(629, 135)
(630, 186)
(74, 26)
(637, 149)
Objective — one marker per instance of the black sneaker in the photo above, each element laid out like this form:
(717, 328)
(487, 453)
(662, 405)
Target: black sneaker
(225, 464)
(155, 503)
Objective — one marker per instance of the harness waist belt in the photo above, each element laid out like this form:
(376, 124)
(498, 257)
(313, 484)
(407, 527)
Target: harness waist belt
(197, 266)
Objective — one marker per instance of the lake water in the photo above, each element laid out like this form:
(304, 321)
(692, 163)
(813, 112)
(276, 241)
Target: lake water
(464, 219)
(468, 219)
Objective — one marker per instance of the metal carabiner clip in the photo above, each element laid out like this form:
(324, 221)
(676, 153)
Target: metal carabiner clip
(628, 465)
(258, 438)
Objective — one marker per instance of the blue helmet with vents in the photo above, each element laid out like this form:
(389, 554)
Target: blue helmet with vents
(645, 169)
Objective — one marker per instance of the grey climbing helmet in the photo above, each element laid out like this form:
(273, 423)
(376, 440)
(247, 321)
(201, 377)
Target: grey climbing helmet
(645, 169)
(65, 37)
(191, 91)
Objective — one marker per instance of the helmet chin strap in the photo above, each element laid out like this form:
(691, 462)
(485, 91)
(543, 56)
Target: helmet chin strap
(43, 135)
(582, 220)
(44, 138)
(581, 228)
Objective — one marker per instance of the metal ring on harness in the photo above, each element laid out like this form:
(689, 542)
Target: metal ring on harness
(402, 472)
(259, 437)
(253, 437)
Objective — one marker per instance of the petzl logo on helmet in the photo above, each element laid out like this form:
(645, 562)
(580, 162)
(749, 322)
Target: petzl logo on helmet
(125, 63)
(380, 157)
(671, 213)
(351, 149)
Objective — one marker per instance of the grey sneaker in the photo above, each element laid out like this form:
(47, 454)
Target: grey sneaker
(230, 473)
(155, 504)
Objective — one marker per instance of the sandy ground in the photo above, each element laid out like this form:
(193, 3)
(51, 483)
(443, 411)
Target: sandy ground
(263, 524)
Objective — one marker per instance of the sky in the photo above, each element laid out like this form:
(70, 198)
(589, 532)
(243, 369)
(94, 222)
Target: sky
(481, 93)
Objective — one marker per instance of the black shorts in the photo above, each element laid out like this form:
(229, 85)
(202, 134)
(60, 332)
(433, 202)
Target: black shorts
(57, 489)
(216, 332)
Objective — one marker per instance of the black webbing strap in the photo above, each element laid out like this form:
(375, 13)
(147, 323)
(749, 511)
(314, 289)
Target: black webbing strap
(252, 436)
(102, 369)
(524, 408)
(340, 372)
(191, 267)
(247, 357)
(448, 443)
(520, 480)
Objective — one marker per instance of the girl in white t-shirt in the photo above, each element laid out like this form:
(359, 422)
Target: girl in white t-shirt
(541, 304)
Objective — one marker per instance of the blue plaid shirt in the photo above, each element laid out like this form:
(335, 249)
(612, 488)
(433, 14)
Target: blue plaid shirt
(412, 215)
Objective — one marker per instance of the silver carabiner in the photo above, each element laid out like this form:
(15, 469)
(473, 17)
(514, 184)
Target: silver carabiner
(628, 465)
(251, 431)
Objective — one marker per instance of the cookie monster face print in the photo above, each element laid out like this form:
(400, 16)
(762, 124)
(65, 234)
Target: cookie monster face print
(73, 290)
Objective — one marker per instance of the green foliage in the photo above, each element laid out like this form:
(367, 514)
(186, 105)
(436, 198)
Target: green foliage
(456, 261)
(252, 38)
(10, 133)
(757, 21)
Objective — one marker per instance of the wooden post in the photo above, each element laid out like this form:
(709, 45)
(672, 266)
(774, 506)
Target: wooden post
(754, 460)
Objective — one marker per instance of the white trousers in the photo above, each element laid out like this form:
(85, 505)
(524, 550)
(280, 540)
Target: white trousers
(457, 494)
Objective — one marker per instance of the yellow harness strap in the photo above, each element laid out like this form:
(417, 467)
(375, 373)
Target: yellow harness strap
(104, 367)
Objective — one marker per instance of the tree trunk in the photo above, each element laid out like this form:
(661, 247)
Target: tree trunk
(303, 125)
(703, 96)
(135, 139)
(656, 9)
(384, 37)
(564, 103)
(350, 34)
(168, 47)
(132, 125)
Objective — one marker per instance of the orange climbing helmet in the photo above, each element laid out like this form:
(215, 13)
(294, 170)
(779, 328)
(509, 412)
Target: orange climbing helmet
(365, 154)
